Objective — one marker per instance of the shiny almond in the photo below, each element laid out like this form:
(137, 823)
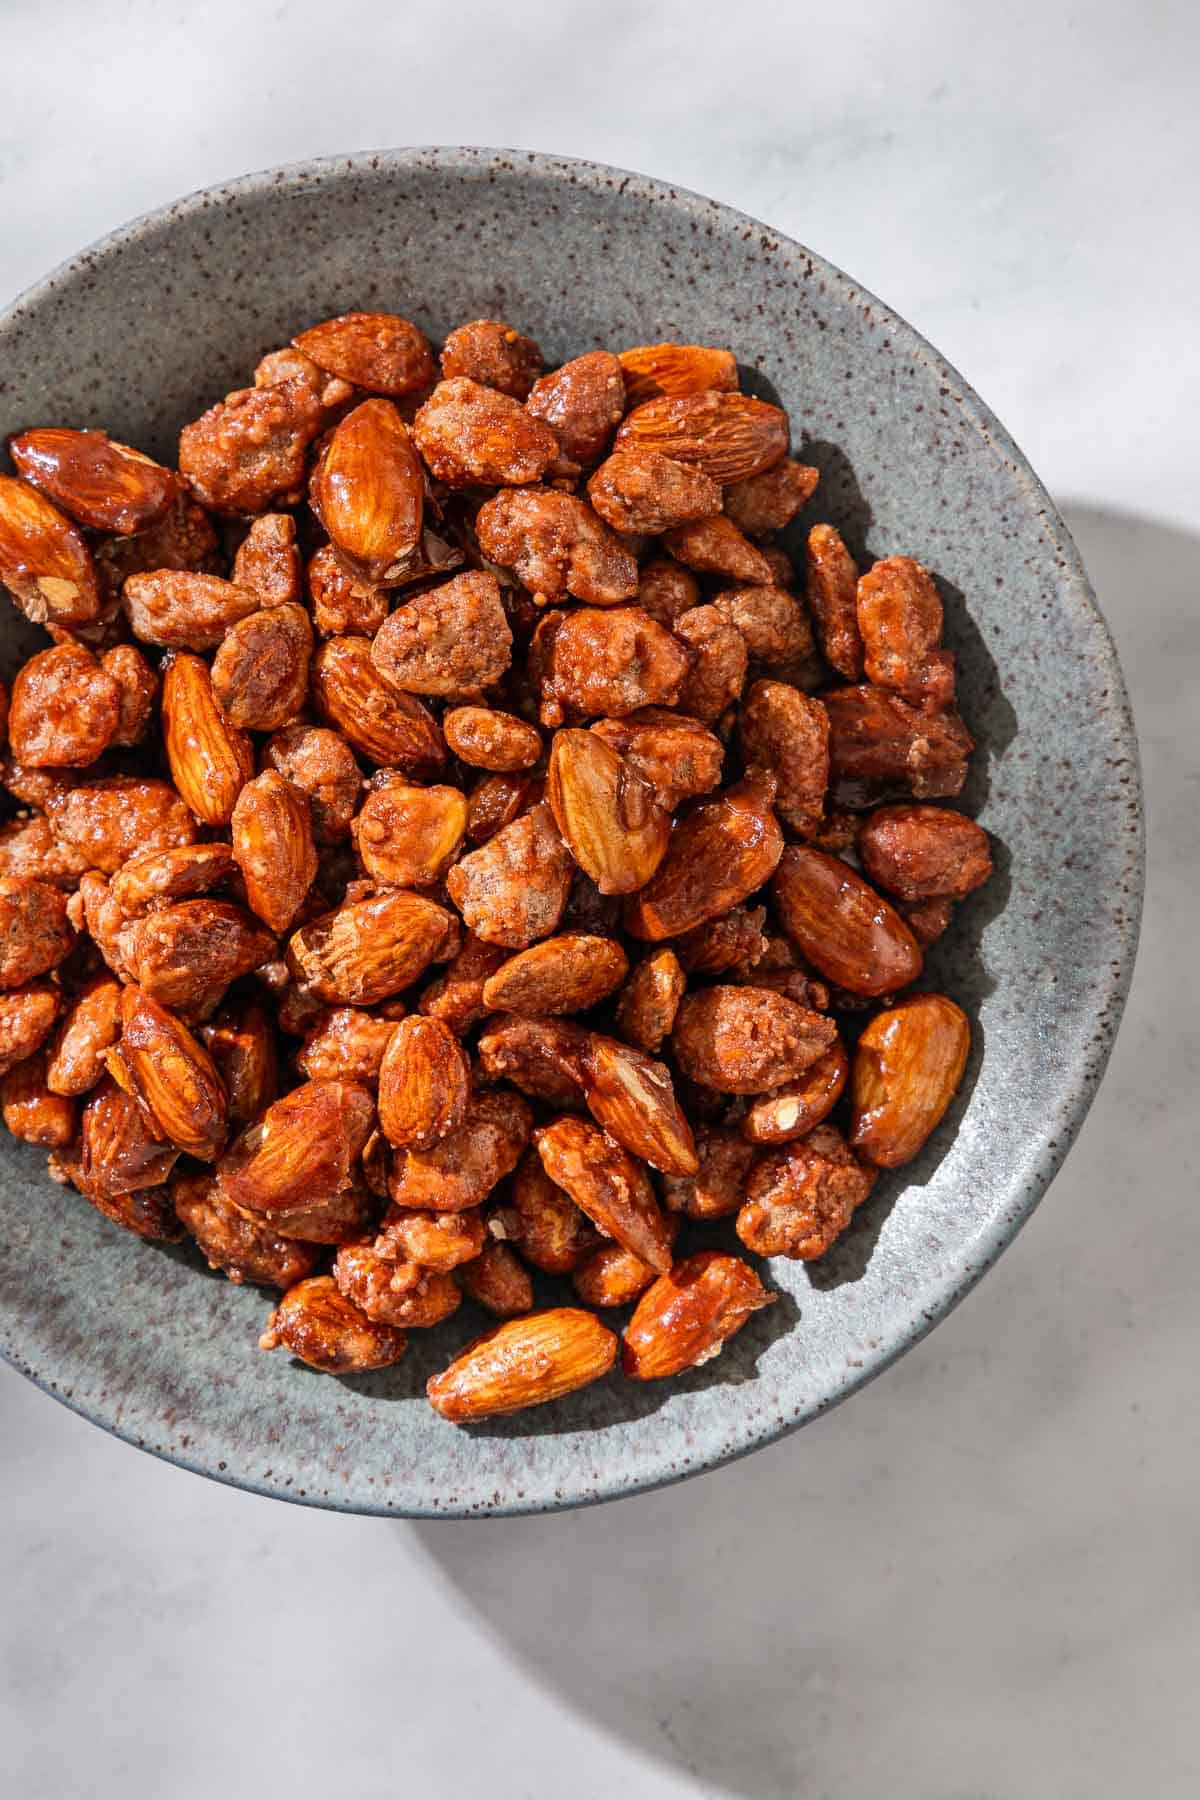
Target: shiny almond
(524, 1362)
(841, 925)
(97, 482)
(210, 759)
(908, 1064)
(608, 816)
(368, 491)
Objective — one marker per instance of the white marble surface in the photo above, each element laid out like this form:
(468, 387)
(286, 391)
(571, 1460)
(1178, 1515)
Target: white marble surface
(979, 1580)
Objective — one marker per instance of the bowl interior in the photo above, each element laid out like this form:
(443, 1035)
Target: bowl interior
(142, 332)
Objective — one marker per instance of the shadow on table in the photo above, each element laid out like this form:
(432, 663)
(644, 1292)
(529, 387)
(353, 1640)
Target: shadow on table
(740, 1627)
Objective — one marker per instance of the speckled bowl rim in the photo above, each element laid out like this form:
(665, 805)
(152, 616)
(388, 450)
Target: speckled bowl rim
(1037, 1165)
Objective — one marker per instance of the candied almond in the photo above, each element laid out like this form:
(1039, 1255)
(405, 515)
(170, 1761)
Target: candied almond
(650, 999)
(787, 732)
(791, 1111)
(456, 996)
(654, 370)
(631, 1097)
(385, 724)
(35, 931)
(452, 640)
(343, 604)
(832, 588)
(564, 974)
(608, 1184)
(267, 560)
(301, 1150)
(27, 1015)
(841, 925)
(908, 1064)
(260, 671)
(210, 760)
(666, 589)
(641, 490)
(461, 1169)
(608, 816)
(718, 1185)
(802, 1196)
(608, 662)
(179, 609)
(718, 855)
(924, 852)
(719, 661)
(432, 1240)
(241, 1042)
(273, 847)
(541, 1056)
(879, 744)
(324, 1329)
(745, 1040)
(367, 950)
(556, 544)
(368, 491)
(512, 890)
(770, 501)
(543, 1221)
(582, 402)
(491, 740)
(392, 1293)
(378, 351)
(186, 954)
(689, 1315)
(249, 449)
(900, 618)
(474, 435)
(730, 436)
(345, 1044)
(715, 546)
(496, 1280)
(321, 764)
(679, 756)
(523, 1362)
(241, 1248)
(97, 482)
(171, 1074)
(494, 355)
(44, 560)
(424, 1084)
(65, 709)
(137, 689)
(408, 836)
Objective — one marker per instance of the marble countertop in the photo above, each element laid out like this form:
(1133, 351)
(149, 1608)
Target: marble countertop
(979, 1579)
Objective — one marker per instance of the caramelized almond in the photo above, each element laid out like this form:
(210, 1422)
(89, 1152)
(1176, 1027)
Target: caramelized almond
(607, 814)
(368, 491)
(99, 483)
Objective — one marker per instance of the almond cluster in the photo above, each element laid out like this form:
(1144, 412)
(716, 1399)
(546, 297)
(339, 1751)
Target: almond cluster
(453, 842)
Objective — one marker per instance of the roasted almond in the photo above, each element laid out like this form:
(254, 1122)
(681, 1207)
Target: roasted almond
(631, 1097)
(653, 371)
(98, 483)
(717, 856)
(424, 1084)
(273, 847)
(563, 974)
(689, 1315)
(369, 949)
(908, 1064)
(524, 1362)
(44, 561)
(607, 1184)
(729, 436)
(160, 1062)
(368, 491)
(210, 759)
(609, 817)
(840, 924)
(390, 727)
(374, 350)
(302, 1149)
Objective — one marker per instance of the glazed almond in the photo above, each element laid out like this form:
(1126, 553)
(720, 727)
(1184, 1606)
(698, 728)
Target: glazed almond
(368, 489)
(424, 1084)
(844, 928)
(718, 855)
(689, 1315)
(210, 760)
(97, 482)
(44, 560)
(608, 816)
(908, 1064)
(524, 1362)
(374, 350)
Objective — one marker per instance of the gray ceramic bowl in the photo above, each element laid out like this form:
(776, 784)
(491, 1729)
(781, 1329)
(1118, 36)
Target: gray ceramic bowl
(141, 332)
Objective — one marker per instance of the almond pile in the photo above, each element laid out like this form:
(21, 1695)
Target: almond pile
(452, 843)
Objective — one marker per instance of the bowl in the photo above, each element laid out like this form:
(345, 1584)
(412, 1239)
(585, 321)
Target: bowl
(144, 330)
